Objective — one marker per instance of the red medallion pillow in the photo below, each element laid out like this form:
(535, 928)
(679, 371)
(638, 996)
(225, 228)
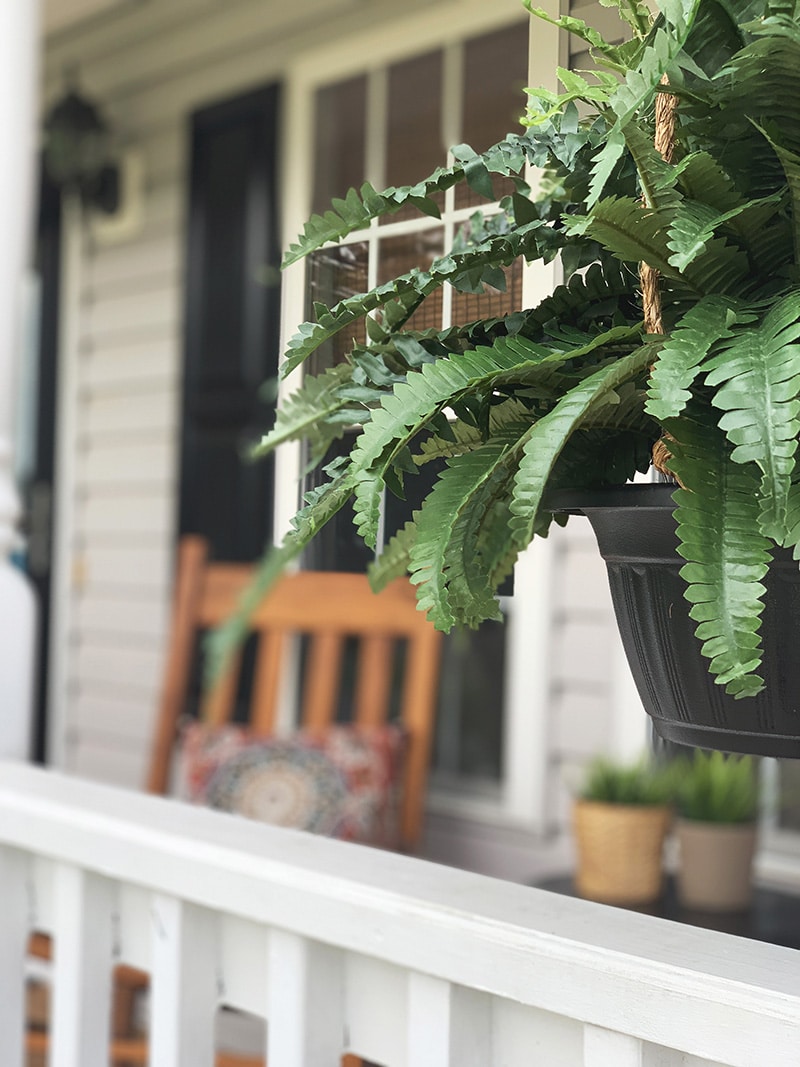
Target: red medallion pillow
(342, 783)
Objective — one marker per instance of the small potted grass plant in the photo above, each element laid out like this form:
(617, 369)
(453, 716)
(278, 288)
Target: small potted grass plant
(717, 800)
(620, 821)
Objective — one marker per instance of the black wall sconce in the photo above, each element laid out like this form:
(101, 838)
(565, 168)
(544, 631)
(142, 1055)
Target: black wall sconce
(77, 154)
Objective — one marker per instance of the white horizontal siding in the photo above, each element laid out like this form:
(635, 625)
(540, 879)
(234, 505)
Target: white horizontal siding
(132, 312)
(112, 609)
(105, 714)
(115, 416)
(114, 762)
(582, 712)
(139, 365)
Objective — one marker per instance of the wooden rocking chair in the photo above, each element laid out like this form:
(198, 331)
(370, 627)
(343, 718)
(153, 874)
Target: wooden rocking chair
(330, 610)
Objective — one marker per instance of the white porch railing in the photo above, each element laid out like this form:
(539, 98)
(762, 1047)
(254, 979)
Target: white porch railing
(345, 948)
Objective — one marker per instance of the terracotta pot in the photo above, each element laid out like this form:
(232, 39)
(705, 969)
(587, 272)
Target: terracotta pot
(635, 531)
(715, 871)
(620, 850)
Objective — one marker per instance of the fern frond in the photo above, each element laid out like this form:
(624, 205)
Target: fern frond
(694, 224)
(394, 560)
(790, 161)
(613, 56)
(637, 14)
(727, 557)
(682, 353)
(409, 289)
(359, 208)
(422, 396)
(596, 292)
(306, 414)
(757, 380)
(321, 505)
(452, 586)
(664, 44)
(550, 434)
(628, 229)
(465, 438)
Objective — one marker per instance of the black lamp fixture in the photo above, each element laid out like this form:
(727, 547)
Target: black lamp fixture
(77, 152)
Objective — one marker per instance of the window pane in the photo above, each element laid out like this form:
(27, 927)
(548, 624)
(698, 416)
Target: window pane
(469, 726)
(334, 274)
(414, 146)
(399, 255)
(495, 73)
(469, 720)
(339, 151)
(470, 306)
(789, 795)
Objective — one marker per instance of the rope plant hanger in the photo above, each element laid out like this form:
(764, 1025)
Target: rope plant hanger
(666, 104)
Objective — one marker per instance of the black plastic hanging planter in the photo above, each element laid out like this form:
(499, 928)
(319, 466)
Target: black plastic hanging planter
(635, 530)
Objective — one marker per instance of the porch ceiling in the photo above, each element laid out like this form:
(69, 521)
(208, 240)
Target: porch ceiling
(62, 14)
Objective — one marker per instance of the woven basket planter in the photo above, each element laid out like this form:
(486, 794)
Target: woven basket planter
(619, 850)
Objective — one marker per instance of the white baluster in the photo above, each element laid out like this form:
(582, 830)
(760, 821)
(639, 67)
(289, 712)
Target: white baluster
(82, 967)
(184, 984)
(605, 1048)
(13, 941)
(305, 1002)
(448, 1026)
(19, 49)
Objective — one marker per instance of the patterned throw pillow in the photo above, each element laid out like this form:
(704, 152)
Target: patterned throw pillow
(342, 783)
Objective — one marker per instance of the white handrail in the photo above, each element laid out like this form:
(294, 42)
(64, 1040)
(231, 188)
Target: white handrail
(461, 942)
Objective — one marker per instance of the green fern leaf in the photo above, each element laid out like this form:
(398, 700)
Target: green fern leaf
(790, 161)
(613, 56)
(663, 46)
(393, 562)
(551, 433)
(358, 209)
(409, 289)
(599, 288)
(727, 557)
(465, 438)
(306, 413)
(629, 230)
(452, 586)
(419, 399)
(757, 375)
(656, 176)
(681, 355)
(792, 539)
(320, 507)
(415, 402)
(636, 14)
(694, 224)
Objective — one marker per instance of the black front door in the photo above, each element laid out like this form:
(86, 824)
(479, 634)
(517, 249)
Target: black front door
(232, 324)
(36, 461)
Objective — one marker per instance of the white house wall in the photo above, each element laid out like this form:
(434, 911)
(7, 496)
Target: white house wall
(150, 66)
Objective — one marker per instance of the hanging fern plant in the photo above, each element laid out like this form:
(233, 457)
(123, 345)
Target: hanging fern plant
(574, 392)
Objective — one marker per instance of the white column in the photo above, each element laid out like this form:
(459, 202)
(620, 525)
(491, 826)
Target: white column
(19, 51)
